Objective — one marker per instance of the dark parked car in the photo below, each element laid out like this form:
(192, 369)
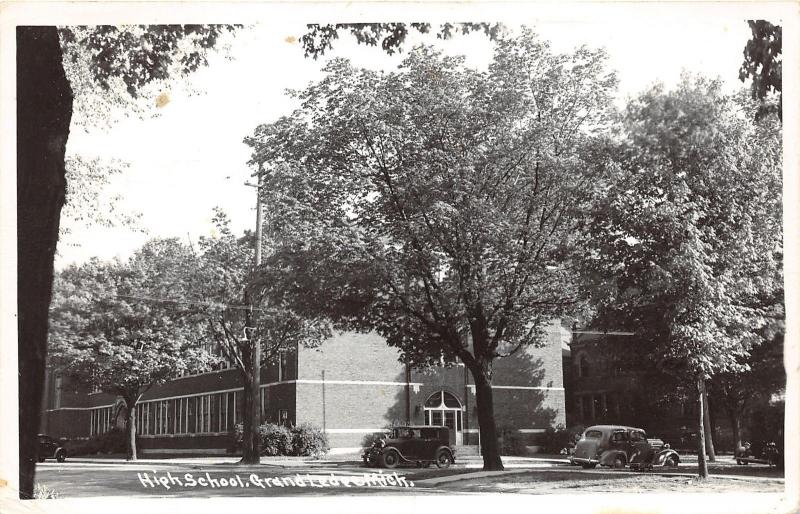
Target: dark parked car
(420, 445)
(50, 448)
(770, 455)
(617, 446)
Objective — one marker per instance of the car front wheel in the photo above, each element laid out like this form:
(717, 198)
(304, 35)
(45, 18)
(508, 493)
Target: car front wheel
(390, 459)
(61, 456)
(443, 459)
(671, 462)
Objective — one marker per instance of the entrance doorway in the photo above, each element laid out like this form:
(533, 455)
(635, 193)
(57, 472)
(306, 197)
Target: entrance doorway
(443, 409)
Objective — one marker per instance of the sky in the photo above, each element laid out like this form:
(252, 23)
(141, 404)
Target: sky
(187, 157)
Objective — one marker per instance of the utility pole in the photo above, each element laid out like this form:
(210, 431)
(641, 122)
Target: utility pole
(250, 442)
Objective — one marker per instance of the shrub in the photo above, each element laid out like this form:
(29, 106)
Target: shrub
(368, 440)
(512, 443)
(274, 440)
(113, 441)
(235, 436)
(89, 446)
(553, 440)
(309, 441)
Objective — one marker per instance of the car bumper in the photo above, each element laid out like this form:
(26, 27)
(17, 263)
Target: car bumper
(583, 460)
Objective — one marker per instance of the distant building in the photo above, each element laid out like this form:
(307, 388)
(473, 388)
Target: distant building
(352, 386)
(611, 382)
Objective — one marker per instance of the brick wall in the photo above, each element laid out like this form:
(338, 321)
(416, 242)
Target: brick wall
(365, 388)
(68, 423)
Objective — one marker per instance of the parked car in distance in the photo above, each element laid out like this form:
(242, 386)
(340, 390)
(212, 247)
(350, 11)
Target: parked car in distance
(50, 448)
(770, 455)
(617, 446)
(420, 445)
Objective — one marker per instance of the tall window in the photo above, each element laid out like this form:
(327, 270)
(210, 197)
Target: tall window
(583, 366)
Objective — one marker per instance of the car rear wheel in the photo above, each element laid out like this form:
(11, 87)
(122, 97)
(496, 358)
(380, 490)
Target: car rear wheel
(671, 462)
(443, 459)
(390, 459)
(40, 459)
(61, 456)
(619, 462)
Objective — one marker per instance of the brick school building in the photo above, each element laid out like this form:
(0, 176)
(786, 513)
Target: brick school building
(352, 386)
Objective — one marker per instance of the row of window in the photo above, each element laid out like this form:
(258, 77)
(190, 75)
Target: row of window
(613, 366)
(100, 420)
(201, 414)
(598, 406)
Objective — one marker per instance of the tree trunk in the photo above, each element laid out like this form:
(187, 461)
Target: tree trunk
(44, 111)
(130, 430)
(247, 425)
(702, 465)
(486, 423)
(709, 428)
(736, 426)
(254, 412)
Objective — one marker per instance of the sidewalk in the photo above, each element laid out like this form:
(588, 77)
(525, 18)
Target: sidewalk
(469, 461)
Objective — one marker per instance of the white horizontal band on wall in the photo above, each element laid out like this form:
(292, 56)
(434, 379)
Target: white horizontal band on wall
(355, 430)
(80, 408)
(520, 430)
(185, 451)
(182, 434)
(530, 388)
(356, 382)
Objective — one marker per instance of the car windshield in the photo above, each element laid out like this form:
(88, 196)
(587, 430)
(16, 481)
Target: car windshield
(593, 434)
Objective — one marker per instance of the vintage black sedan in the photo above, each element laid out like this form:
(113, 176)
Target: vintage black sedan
(50, 448)
(420, 445)
(617, 446)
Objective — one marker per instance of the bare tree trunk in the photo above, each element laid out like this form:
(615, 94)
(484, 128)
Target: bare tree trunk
(702, 465)
(44, 111)
(708, 427)
(130, 430)
(736, 425)
(247, 421)
(486, 423)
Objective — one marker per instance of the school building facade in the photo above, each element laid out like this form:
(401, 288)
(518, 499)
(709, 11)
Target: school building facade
(352, 386)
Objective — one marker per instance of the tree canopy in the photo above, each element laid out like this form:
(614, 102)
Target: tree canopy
(441, 199)
(762, 63)
(111, 329)
(391, 36)
(684, 244)
(687, 237)
(217, 286)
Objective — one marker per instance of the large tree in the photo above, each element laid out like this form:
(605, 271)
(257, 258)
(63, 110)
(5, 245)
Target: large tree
(763, 64)
(243, 312)
(56, 68)
(439, 201)
(111, 330)
(135, 56)
(686, 236)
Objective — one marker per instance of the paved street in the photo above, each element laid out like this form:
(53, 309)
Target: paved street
(204, 477)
